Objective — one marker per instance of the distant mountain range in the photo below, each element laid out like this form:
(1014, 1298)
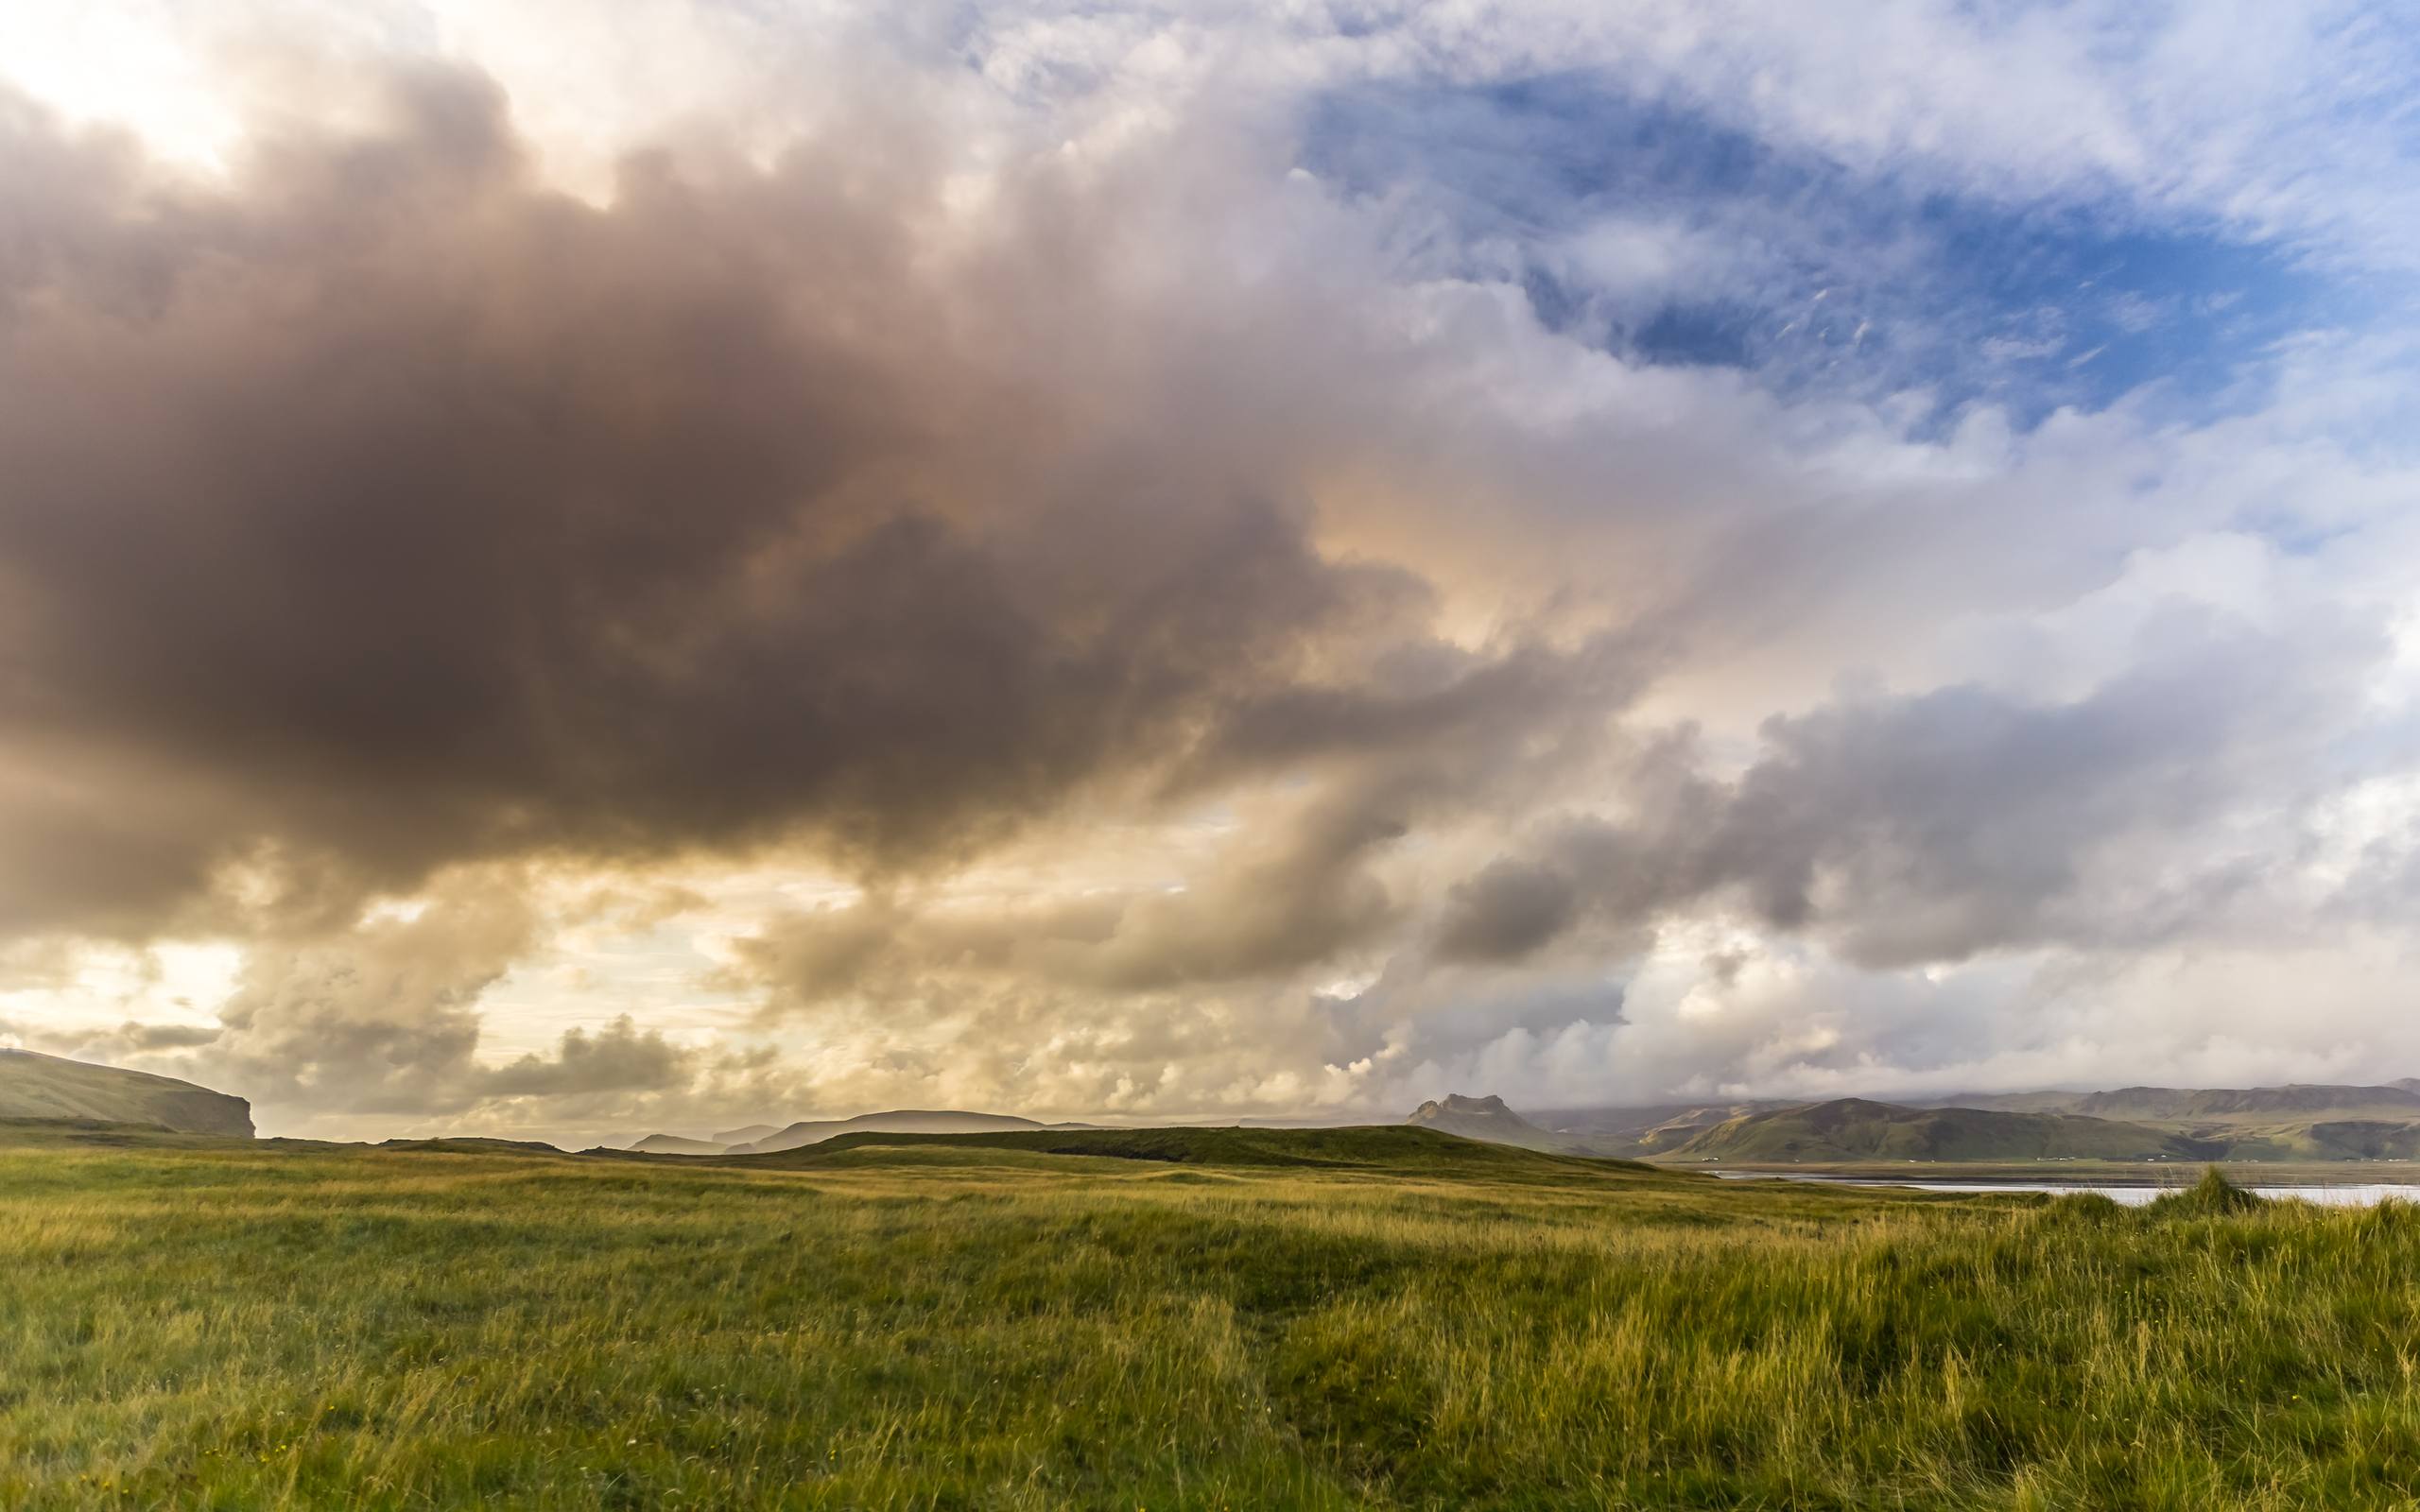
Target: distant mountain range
(2393, 1099)
(2295, 1123)
(2299, 1122)
(48, 1087)
(2292, 1123)
(1852, 1128)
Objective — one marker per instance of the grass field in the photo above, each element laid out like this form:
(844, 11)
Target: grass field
(1320, 1320)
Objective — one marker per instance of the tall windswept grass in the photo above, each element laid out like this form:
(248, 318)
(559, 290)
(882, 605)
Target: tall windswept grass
(940, 1326)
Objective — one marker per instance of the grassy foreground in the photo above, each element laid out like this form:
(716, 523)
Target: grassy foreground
(1380, 1318)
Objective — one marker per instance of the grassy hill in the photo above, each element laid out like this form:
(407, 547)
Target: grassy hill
(1852, 1128)
(47, 1087)
(1322, 1319)
(2364, 1140)
(456, 1144)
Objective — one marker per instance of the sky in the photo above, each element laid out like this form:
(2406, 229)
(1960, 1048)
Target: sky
(573, 570)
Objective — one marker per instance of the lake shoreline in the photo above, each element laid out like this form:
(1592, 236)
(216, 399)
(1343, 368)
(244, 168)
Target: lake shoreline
(2078, 1172)
(2360, 1193)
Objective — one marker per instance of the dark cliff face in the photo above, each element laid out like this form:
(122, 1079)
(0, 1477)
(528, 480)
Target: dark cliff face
(1483, 1118)
(37, 1085)
(199, 1111)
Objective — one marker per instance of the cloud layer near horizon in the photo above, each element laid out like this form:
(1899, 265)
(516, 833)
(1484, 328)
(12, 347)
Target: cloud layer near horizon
(1090, 584)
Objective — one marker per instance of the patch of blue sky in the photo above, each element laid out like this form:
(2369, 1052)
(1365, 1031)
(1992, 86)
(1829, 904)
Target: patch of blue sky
(1643, 227)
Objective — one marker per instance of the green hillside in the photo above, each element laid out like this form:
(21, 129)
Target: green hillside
(2365, 1139)
(1852, 1128)
(2326, 1138)
(47, 1087)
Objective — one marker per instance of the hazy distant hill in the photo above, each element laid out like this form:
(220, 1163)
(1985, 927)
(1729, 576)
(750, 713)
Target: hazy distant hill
(1484, 1118)
(675, 1144)
(1852, 1128)
(1651, 1129)
(745, 1136)
(37, 1085)
(902, 1121)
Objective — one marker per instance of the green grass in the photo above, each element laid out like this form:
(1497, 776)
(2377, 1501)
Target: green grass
(1198, 1318)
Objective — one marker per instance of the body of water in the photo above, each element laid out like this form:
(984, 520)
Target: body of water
(2332, 1195)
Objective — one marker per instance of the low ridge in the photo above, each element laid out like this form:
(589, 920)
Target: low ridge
(675, 1144)
(899, 1121)
(1396, 1149)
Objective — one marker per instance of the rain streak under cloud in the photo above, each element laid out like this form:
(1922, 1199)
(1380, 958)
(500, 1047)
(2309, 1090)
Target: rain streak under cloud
(1135, 564)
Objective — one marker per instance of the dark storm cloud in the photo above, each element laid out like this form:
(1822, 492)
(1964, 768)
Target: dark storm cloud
(386, 509)
(1507, 911)
(382, 518)
(1428, 738)
(1278, 899)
